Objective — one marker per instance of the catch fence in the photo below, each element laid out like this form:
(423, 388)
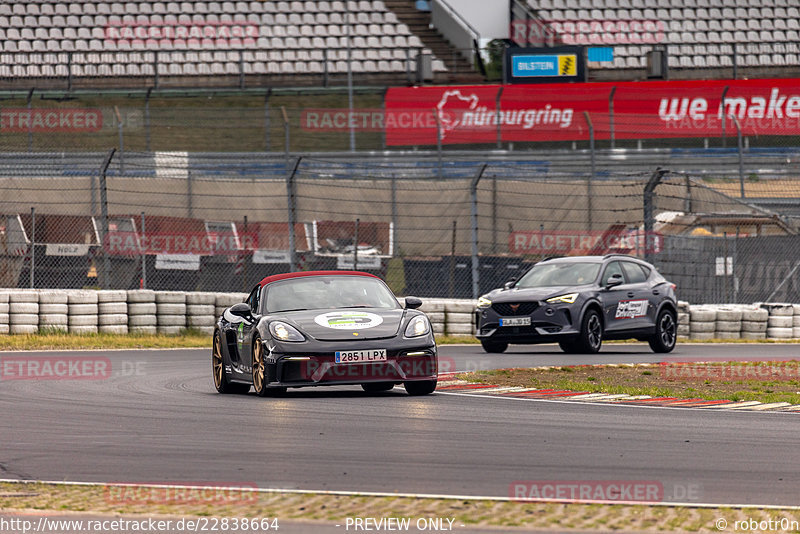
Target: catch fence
(430, 226)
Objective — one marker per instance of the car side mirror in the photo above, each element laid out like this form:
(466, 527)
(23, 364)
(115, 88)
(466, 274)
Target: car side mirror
(510, 283)
(242, 309)
(412, 303)
(614, 280)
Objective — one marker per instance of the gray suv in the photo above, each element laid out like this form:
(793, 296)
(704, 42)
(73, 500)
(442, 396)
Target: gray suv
(578, 302)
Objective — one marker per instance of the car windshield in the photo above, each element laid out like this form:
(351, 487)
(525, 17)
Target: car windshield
(560, 274)
(322, 292)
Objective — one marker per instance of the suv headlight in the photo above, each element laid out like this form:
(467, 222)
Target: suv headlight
(569, 298)
(285, 332)
(484, 302)
(418, 326)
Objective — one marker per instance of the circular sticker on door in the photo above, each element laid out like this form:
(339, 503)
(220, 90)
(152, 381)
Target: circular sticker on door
(349, 320)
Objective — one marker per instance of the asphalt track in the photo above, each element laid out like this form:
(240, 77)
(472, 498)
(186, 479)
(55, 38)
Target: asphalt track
(157, 419)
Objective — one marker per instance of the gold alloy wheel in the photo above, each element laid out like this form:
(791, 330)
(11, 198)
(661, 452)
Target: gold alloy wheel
(258, 365)
(216, 361)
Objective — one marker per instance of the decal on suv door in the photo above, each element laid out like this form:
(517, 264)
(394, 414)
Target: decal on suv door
(628, 309)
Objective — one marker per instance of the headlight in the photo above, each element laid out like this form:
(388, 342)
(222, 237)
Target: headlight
(285, 332)
(483, 302)
(568, 298)
(418, 326)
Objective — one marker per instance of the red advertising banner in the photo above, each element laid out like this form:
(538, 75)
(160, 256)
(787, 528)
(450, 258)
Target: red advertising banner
(554, 112)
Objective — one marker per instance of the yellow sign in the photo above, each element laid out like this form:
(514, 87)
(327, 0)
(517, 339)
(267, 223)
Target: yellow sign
(567, 65)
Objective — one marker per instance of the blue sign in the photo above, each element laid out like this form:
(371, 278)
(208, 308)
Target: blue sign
(537, 65)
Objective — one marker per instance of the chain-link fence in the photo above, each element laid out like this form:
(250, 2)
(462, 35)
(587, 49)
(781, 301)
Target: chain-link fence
(431, 226)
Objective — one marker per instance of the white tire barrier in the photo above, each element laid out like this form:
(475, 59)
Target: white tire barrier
(779, 310)
(112, 308)
(200, 321)
(780, 321)
(142, 320)
(82, 320)
(53, 319)
(459, 329)
(120, 329)
(728, 326)
(755, 314)
(142, 308)
(62, 309)
(23, 296)
(200, 309)
(459, 306)
(171, 320)
(796, 332)
(148, 330)
(174, 297)
(754, 326)
(23, 329)
(196, 299)
(795, 320)
(82, 297)
(112, 319)
(52, 297)
(23, 307)
(702, 327)
(431, 306)
(729, 314)
(683, 330)
(141, 295)
(435, 317)
(171, 308)
(112, 296)
(779, 333)
(702, 315)
(83, 309)
(23, 312)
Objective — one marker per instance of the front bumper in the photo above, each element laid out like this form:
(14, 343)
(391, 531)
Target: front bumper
(304, 368)
(548, 323)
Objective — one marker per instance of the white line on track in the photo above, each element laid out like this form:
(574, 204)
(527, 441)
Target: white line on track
(348, 493)
(605, 404)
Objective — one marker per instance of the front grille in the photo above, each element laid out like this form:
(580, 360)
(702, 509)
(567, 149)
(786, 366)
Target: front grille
(515, 308)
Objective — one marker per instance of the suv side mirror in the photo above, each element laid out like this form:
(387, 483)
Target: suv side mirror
(241, 309)
(510, 283)
(614, 280)
(412, 303)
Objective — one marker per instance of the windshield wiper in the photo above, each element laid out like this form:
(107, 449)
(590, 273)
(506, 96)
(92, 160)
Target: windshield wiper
(293, 309)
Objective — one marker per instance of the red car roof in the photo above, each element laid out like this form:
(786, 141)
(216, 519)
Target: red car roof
(285, 276)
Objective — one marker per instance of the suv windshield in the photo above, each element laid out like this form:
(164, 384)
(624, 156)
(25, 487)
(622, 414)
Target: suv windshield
(552, 274)
(320, 292)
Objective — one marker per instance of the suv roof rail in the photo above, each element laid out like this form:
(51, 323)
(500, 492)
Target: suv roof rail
(551, 258)
(618, 254)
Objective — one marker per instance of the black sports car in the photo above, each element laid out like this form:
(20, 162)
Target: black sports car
(578, 302)
(324, 328)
